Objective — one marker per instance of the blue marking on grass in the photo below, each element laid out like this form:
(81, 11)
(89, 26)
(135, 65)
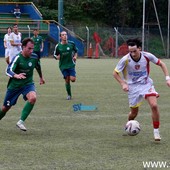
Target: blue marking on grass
(81, 107)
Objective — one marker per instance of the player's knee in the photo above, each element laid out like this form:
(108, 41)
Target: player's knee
(5, 109)
(73, 79)
(154, 106)
(32, 98)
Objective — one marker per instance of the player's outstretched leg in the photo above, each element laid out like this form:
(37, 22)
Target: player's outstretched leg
(152, 100)
(25, 112)
(68, 89)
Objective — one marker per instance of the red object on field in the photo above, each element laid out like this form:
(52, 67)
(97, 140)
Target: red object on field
(123, 50)
(110, 46)
(90, 51)
(97, 51)
(96, 37)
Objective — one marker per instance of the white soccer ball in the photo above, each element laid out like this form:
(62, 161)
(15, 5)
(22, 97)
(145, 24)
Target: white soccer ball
(132, 127)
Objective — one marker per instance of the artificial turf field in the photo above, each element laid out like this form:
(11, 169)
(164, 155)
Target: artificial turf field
(58, 138)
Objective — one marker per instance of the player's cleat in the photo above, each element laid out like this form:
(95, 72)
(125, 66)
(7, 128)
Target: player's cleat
(68, 97)
(157, 136)
(21, 126)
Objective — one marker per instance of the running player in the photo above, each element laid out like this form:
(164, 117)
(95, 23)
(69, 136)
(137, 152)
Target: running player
(66, 53)
(38, 43)
(15, 39)
(7, 44)
(20, 71)
(138, 84)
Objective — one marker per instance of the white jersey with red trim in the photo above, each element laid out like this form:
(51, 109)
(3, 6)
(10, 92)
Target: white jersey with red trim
(136, 71)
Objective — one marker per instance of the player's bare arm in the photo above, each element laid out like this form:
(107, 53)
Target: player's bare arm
(39, 71)
(165, 71)
(42, 81)
(121, 82)
(75, 57)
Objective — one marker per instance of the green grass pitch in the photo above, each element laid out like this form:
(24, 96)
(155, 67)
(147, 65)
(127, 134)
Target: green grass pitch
(60, 139)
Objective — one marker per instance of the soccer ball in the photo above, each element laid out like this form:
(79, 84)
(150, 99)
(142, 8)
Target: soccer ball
(132, 127)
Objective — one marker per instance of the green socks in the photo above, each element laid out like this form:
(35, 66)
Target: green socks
(26, 110)
(2, 114)
(68, 89)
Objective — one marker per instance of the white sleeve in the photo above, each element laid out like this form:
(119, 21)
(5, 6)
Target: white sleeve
(121, 64)
(151, 57)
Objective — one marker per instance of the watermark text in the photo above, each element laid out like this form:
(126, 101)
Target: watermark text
(156, 164)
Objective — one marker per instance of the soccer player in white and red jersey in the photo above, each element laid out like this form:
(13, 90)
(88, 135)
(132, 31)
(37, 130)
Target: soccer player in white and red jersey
(136, 81)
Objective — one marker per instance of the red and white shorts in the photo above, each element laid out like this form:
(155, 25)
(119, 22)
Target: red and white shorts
(138, 91)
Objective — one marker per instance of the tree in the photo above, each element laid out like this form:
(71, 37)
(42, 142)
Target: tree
(117, 13)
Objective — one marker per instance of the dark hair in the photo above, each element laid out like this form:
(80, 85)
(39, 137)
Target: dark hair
(9, 28)
(61, 32)
(26, 40)
(133, 42)
(15, 25)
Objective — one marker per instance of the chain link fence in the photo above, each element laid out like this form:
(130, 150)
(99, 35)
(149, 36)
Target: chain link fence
(111, 42)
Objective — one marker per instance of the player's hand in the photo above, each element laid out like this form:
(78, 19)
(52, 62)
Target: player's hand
(58, 57)
(42, 81)
(74, 59)
(20, 76)
(125, 87)
(168, 83)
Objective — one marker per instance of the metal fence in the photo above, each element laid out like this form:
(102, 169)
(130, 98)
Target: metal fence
(111, 42)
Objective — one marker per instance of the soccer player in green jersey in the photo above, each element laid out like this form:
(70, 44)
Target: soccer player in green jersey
(38, 43)
(66, 53)
(20, 71)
